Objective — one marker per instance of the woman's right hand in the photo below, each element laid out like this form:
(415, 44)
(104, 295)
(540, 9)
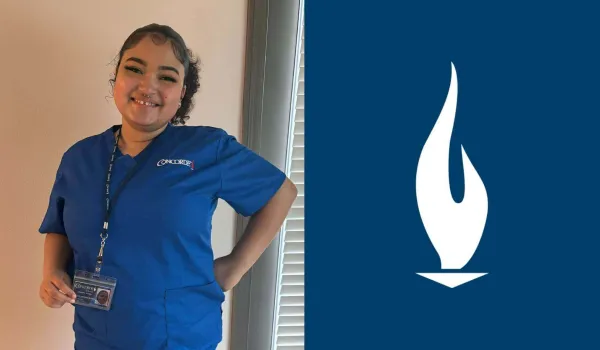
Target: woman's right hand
(55, 289)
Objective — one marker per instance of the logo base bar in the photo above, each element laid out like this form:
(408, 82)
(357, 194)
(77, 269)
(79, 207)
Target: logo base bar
(452, 279)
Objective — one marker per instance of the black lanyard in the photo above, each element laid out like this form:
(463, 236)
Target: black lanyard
(104, 233)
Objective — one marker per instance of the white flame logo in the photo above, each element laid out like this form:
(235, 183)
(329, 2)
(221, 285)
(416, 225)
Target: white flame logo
(454, 229)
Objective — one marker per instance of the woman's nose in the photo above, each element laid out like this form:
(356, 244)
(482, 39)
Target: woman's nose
(148, 83)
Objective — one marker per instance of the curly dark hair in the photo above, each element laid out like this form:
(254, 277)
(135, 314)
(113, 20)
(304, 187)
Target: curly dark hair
(161, 34)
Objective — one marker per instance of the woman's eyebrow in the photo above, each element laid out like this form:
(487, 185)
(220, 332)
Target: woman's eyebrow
(143, 63)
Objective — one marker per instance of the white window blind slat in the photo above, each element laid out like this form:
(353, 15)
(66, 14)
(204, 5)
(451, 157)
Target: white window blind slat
(294, 258)
(292, 301)
(300, 101)
(298, 153)
(291, 280)
(291, 347)
(295, 236)
(296, 213)
(298, 142)
(299, 128)
(298, 165)
(294, 225)
(292, 269)
(300, 187)
(293, 340)
(292, 291)
(291, 321)
(291, 331)
(293, 248)
(291, 311)
(299, 202)
(297, 178)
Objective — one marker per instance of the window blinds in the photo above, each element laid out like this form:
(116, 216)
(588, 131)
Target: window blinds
(289, 307)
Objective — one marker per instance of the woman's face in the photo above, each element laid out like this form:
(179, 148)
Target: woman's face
(149, 85)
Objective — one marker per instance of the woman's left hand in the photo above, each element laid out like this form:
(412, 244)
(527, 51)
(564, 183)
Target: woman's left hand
(225, 272)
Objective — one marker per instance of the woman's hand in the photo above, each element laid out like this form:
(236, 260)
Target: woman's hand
(55, 289)
(225, 272)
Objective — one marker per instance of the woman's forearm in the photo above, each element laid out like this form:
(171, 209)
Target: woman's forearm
(263, 227)
(57, 252)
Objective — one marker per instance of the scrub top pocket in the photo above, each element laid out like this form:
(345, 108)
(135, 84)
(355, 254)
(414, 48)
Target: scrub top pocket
(194, 317)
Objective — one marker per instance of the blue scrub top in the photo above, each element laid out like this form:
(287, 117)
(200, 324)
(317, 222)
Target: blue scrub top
(159, 244)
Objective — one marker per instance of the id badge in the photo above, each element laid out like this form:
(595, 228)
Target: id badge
(92, 290)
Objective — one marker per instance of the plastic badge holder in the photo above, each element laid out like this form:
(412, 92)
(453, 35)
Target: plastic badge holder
(92, 290)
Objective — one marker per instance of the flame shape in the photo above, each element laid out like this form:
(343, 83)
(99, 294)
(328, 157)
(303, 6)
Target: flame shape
(455, 229)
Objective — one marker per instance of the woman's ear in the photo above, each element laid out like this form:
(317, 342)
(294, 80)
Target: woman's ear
(183, 92)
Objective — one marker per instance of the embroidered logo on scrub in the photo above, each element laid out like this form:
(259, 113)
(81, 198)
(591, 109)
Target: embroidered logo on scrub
(188, 163)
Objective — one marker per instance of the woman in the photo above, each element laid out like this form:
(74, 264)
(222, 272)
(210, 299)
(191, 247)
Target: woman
(149, 187)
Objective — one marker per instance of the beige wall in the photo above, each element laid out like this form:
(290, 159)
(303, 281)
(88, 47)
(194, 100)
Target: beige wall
(54, 68)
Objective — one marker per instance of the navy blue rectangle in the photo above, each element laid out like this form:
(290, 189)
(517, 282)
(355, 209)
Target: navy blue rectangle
(527, 115)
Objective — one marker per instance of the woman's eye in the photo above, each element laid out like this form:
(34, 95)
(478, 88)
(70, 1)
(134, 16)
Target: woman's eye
(139, 71)
(133, 69)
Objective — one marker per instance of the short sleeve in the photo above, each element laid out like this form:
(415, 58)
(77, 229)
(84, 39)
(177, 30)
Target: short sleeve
(248, 181)
(53, 220)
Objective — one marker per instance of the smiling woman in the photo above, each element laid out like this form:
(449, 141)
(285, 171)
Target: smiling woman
(154, 283)
(165, 78)
(155, 81)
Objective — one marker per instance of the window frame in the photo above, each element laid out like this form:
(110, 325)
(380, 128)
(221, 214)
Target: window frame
(271, 41)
